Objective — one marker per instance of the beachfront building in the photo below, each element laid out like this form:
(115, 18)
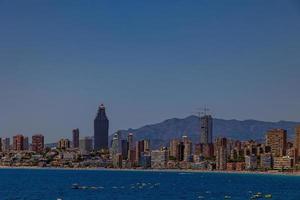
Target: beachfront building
(141, 147)
(277, 140)
(187, 152)
(266, 161)
(159, 158)
(221, 153)
(297, 144)
(284, 162)
(145, 160)
(251, 162)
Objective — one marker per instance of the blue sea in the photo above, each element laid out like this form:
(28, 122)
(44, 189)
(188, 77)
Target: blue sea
(28, 184)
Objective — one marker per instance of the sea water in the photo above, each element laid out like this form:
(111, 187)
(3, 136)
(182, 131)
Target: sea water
(48, 184)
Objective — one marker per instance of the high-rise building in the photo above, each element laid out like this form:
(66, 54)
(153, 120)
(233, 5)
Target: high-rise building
(86, 145)
(115, 145)
(63, 144)
(205, 150)
(297, 142)
(0, 144)
(130, 146)
(206, 129)
(75, 136)
(221, 153)
(159, 158)
(187, 155)
(141, 147)
(37, 143)
(26, 144)
(174, 148)
(145, 160)
(5, 144)
(18, 142)
(277, 140)
(124, 149)
(180, 153)
(101, 125)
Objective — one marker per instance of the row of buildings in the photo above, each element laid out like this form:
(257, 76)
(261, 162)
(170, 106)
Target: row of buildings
(181, 153)
(21, 143)
(219, 154)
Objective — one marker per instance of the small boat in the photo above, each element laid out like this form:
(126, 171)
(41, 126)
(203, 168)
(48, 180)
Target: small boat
(227, 197)
(268, 196)
(75, 186)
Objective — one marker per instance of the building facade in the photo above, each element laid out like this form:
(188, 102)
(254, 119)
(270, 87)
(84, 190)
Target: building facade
(18, 143)
(75, 137)
(206, 129)
(38, 143)
(221, 153)
(159, 158)
(5, 144)
(101, 125)
(277, 140)
(297, 143)
(26, 144)
(86, 144)
(63, 144)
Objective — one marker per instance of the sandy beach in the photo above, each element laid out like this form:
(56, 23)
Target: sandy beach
(183, 171)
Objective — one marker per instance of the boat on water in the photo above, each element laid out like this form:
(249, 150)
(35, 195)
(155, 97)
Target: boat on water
(75, 186)
(268, 196)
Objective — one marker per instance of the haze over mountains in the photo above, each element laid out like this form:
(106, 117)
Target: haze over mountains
(161, 133)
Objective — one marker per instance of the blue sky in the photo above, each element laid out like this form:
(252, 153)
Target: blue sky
(146, 61)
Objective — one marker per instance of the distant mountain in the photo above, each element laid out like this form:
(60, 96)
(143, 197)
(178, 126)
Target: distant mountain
(161, 133)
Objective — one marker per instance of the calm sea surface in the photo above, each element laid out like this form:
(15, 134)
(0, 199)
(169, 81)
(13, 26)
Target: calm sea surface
(28, 184)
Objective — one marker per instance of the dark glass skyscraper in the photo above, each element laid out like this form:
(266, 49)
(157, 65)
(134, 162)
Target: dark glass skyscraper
(206, 122)
(75, 134)
(101, 125)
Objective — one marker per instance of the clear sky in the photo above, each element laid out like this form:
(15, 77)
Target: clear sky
(146, 61)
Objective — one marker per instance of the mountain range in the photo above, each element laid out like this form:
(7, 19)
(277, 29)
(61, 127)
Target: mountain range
(161, 133)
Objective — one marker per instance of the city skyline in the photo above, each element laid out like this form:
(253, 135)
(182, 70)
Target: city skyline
(60, 60)
(205, 128)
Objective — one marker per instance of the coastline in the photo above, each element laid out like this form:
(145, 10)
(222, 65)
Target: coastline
(183, 171)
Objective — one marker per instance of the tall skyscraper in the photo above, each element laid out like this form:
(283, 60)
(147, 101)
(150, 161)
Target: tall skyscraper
(277, 140)
(38, 143)
(18, 143)
(75, 141)
(101, 125)
(206, 128)
(130, 146)
(297, 142)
